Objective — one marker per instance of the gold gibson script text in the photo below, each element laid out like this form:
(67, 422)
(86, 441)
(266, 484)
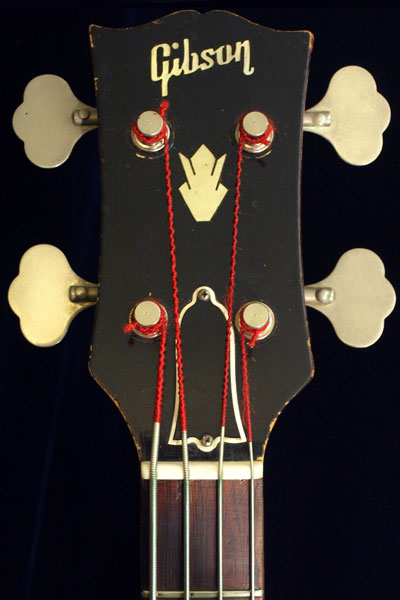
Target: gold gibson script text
(163, 66)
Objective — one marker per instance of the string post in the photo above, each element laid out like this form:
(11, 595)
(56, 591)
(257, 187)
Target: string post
(255, 132)
(150, 131)
(147, 319)
(255, 321)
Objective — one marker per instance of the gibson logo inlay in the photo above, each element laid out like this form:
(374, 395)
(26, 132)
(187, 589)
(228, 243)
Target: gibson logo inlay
(163, 67)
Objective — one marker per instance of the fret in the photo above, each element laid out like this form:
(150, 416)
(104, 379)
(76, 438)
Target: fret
(205, 594)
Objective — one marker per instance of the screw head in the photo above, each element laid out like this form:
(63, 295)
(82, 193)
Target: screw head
(79, 293)
(83, 113)
(207, 440)
(325, 295)
(203, 295)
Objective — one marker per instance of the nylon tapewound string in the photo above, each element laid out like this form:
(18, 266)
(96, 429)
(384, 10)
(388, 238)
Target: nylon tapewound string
(159, 329)
(246, 412)
(225, 386)
(179, 361)
(178, 349)
(243, 137)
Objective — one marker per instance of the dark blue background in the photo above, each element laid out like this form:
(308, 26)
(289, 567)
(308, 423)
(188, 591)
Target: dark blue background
(69, 490)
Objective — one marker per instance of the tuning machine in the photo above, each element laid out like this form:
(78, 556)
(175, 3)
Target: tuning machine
(352, 116)
(356, 297)
(51, 120)
(47, 294)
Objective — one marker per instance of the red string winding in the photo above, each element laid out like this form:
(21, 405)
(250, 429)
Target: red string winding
(246, 409)
(174, 279)
(262, 139)
(156, 138)
(159, 328)
(232, 277)
(253, 334)
(174, 273)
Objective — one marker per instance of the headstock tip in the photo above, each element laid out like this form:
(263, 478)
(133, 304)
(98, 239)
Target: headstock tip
(356, 297)
(51, 120)
(44, 295)
(352, 116)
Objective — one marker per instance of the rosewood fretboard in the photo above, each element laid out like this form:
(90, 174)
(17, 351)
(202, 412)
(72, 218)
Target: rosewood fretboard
(203, 536)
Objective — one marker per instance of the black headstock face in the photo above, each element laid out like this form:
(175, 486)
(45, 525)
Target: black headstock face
(213, 69)
(331, 450)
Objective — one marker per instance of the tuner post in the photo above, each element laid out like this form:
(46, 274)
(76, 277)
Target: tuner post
(146, 319)
(148, 133)
(257, 321)
(256, 132)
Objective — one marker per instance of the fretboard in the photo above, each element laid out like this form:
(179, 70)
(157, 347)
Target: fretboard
(203, 538)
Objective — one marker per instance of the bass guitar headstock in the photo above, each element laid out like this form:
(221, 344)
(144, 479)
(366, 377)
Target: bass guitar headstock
(227, 120)
(328, 497)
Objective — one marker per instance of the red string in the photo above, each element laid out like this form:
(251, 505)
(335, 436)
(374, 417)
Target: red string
(156, 138)
(232, 276)
(161, 329)
(254, 333)
(174, 273)
(246, 410)
(265, 138)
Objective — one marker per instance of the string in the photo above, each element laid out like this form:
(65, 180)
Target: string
(253, 334)
(159, 329)
(179, 359)
(229, 301)
(246, 408)
(163, 135)
(243, 137)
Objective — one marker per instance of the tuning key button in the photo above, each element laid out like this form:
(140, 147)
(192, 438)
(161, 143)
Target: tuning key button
(356, 297)
(352, 116)
(257, 131)
(256, 319)
(51, 120)
(43, 295)
(85, 116)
